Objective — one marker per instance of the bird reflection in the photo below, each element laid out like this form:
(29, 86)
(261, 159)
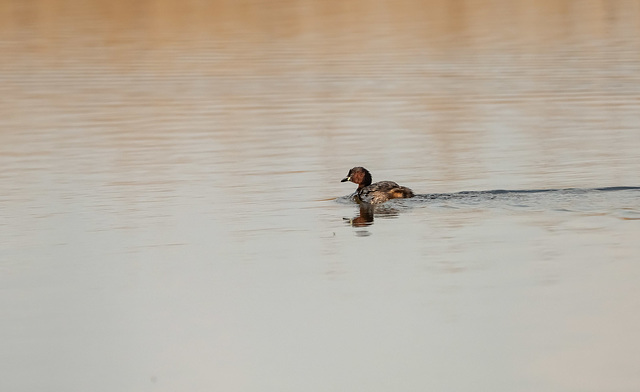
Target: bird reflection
(368, 212)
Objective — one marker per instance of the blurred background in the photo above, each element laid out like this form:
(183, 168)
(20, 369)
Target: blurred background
(171, 216)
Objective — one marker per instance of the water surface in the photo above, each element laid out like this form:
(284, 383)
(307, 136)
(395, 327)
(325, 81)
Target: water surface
(172, 216)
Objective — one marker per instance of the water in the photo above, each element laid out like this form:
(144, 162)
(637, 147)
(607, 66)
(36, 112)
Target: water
(172, 216)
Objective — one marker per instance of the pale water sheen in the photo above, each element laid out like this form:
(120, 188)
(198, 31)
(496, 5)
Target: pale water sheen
(172, 217)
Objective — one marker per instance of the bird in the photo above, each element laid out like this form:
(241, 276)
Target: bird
(378, 192)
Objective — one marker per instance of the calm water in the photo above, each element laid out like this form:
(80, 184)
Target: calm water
(172, 217)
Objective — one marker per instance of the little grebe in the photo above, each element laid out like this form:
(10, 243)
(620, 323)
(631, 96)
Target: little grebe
(378, 192)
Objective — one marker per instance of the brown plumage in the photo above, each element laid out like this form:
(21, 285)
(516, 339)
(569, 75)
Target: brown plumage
(378, 192)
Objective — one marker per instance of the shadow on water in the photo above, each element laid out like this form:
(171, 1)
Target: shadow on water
(576, 190)
(620, 201)
(369, 211)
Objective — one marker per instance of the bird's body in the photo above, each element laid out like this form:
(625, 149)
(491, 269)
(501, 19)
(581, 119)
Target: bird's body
(378, 192)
